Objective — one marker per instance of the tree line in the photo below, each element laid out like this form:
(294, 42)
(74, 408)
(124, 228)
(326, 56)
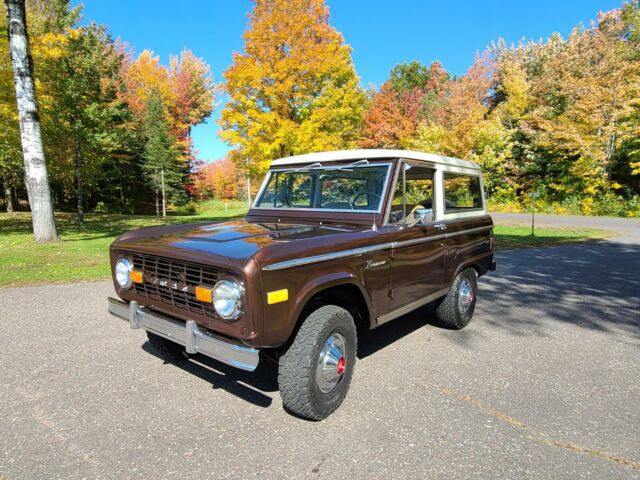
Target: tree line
(115, 127)
(561, 116)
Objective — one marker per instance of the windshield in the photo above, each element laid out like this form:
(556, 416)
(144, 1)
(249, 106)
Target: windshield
(348, 188)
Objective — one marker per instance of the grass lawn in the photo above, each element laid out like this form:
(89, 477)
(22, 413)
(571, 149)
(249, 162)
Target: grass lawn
(510, 236)
(83, 253)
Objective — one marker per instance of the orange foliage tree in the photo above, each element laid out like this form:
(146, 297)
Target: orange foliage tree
(220, 179)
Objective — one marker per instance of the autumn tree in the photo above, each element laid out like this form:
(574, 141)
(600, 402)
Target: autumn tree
(293, 89)
(586, 96)
(185, 89)
(411, 96)
(385, 124)
(220, 179)
(36, 176)
(192, 88)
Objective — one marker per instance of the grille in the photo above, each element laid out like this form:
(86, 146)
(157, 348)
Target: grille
(173, 282)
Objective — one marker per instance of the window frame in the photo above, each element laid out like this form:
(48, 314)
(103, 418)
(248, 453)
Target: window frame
(467, 209)
(286, 168)
(401, 176)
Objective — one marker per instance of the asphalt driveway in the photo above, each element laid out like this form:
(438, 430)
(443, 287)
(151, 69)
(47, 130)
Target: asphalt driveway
(542, 384)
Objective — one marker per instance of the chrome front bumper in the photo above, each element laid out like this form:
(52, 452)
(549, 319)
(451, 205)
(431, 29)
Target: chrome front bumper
(186, 334)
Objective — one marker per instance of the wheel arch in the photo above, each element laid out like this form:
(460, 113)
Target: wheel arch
(342, 289)
(480, 264)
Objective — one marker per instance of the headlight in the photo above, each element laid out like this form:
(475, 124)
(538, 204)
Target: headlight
(123, 272)
(227, 299)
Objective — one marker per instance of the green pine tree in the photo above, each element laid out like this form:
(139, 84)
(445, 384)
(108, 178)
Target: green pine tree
(161, 155)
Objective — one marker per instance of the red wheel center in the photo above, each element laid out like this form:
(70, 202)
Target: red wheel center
(342, 363)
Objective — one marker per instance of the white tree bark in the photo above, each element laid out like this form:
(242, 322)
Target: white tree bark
(164, 198)
(8, 198)
(35, 167)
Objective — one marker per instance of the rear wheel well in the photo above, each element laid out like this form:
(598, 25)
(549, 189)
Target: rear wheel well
(347, 296)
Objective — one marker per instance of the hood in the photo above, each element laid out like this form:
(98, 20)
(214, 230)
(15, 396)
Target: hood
(230, 243)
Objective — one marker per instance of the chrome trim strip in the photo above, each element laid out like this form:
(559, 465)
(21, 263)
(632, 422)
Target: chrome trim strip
(374, 248)
(416, 241)
(470, 230)
(327, 256)
(411, 306)
(187, 334)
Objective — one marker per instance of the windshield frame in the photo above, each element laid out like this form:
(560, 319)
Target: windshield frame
(330, 166)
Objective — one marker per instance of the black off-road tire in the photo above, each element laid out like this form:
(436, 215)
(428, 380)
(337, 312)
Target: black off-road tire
(166, 349)
(448, 311)
(299, 389)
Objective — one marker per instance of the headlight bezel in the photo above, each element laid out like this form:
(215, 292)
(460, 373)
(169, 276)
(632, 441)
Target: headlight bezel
(237, 290)
(129, 269)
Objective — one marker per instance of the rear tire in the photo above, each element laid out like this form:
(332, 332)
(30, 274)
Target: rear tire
(456, 308)
(166, 349)
(315, 372)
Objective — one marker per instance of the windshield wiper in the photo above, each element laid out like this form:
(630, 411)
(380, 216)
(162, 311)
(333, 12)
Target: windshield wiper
(313, 166)
(364, 161)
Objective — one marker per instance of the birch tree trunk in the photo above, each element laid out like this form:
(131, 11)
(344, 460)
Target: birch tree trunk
(8, 198)
(35, 167)
(157, 203)
(164, 198)
(79, 182)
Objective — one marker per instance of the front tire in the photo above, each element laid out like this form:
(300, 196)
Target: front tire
(315, 372)
(456, 308)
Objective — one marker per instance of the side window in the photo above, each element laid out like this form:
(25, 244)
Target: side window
(413, 191)
(461, 192)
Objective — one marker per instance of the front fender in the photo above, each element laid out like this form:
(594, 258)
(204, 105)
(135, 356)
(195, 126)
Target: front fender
(280, 319)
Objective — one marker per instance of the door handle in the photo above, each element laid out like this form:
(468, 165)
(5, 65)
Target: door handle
(441, 226)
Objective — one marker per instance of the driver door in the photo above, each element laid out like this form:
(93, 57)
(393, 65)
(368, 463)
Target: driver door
(418, 255)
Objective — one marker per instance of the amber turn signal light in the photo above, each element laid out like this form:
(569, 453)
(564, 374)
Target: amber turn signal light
(204, 294)
(136, 277)
(277, 296)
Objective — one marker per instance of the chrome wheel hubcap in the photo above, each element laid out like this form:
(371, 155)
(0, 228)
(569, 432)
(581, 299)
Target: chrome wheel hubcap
(465, 296)
(331, 363)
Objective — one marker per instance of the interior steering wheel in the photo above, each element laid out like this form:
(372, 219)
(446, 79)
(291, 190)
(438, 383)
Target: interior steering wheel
(354, 198)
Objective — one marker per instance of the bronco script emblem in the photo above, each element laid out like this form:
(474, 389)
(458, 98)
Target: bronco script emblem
(372, 263)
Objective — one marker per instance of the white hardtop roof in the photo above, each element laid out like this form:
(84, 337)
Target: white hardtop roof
(370, 154)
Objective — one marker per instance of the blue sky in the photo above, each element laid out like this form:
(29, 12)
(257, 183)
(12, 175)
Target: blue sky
(382, 33)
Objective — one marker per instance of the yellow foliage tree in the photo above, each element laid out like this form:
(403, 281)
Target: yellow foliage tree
(587, 94)
(294, 88)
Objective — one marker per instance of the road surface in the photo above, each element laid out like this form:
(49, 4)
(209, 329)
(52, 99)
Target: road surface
(542, 384)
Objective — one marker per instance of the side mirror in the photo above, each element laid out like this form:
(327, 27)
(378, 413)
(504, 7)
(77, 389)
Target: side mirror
(422, 216)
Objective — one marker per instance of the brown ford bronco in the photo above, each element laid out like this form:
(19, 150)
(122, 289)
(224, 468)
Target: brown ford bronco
(335, 242)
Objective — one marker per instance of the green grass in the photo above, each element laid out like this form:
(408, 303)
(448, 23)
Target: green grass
(83, 253)
(510, 236)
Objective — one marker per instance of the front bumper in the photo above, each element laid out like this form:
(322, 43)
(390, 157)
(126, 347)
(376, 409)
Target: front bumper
(186, 334)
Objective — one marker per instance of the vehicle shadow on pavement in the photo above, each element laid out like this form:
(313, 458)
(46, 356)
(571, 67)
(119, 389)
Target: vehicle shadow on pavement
(249, 386)
(595, 286)
(254, 386)
(372, 341)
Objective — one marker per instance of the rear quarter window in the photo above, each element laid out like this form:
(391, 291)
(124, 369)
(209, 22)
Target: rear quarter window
(461, 192)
